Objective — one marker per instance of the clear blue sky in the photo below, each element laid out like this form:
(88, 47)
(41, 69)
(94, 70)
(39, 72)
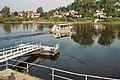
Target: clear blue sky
(20, 5)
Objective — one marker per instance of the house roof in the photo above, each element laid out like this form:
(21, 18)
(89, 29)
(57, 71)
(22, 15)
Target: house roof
(1, 14)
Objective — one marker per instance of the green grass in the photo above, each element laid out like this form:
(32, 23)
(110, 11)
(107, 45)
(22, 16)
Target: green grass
(112, 20)
(45, 20)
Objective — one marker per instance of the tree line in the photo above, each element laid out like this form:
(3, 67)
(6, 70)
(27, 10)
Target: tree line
(6, 12)
(88, 8)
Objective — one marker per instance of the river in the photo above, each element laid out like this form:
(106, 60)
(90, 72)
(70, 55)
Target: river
(90, 49)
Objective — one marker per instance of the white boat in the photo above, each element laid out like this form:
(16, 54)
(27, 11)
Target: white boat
(61, 27)
(61, 35)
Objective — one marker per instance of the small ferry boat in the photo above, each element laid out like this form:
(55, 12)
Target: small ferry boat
(61, 27)
(61, 34)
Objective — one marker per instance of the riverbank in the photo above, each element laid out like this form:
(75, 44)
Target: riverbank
(112, 21)
(58, 20)
(46, 20)
(9, 74)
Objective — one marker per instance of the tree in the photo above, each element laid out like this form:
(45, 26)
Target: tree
(108, 6)
(6, 11)
(15, 13)
(39, 10)
(84, 7)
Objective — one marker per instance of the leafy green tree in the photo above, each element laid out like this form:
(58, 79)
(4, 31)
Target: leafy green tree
(15, 13)
(84, 7)
(88, 7)
(108, 6)
(5, 11)
(39, 10)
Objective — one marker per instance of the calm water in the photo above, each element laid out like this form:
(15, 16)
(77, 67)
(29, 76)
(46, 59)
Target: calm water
(90, 49)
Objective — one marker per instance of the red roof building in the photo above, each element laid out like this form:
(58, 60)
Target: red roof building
(1, 15)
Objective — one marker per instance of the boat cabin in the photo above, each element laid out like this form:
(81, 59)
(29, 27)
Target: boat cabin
(61, 27)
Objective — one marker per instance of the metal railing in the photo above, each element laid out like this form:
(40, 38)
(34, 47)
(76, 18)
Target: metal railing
(9, 54)
(53, 75)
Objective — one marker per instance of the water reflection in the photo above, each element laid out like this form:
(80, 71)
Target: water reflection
(107, 36)
(86, 34)
(7, 28)
(119, 34)
(10, 28)
(35, 59)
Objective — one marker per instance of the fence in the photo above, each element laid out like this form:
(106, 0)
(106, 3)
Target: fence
(53, 75)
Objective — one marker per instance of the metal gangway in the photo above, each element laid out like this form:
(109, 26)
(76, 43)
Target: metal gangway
(16, 51)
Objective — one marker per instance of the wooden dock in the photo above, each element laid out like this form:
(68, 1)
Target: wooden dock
(23, 49)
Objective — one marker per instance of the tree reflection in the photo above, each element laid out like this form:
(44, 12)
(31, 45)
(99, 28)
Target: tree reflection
(40, 27)
(107, 36)
(119, 35)
(7, 28)
(84, 35)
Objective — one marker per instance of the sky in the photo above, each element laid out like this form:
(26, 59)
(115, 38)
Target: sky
(27, 5)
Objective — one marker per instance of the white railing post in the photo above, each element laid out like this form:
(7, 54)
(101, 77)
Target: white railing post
(3, 53)
(86, 77)
(3, 49)
(11, 49)
(27, 68)
(53, 78)
(6, 64)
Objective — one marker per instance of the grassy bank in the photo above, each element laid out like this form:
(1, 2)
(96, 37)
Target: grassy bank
(9, 74)
(57, 20)
(45, 20)
(112, 21)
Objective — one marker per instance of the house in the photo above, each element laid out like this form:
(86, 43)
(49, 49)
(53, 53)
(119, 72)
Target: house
(100, 13)
(57, 16)
(21, 14)
(117, 4)
(1, 15)
(35, 15)
(73, 12)
(29, 14)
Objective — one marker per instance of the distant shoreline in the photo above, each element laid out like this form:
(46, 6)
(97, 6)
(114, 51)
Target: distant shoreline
(52, 21)
(48, 22)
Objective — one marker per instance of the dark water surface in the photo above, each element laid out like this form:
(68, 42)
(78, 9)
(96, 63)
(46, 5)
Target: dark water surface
(90, 49)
